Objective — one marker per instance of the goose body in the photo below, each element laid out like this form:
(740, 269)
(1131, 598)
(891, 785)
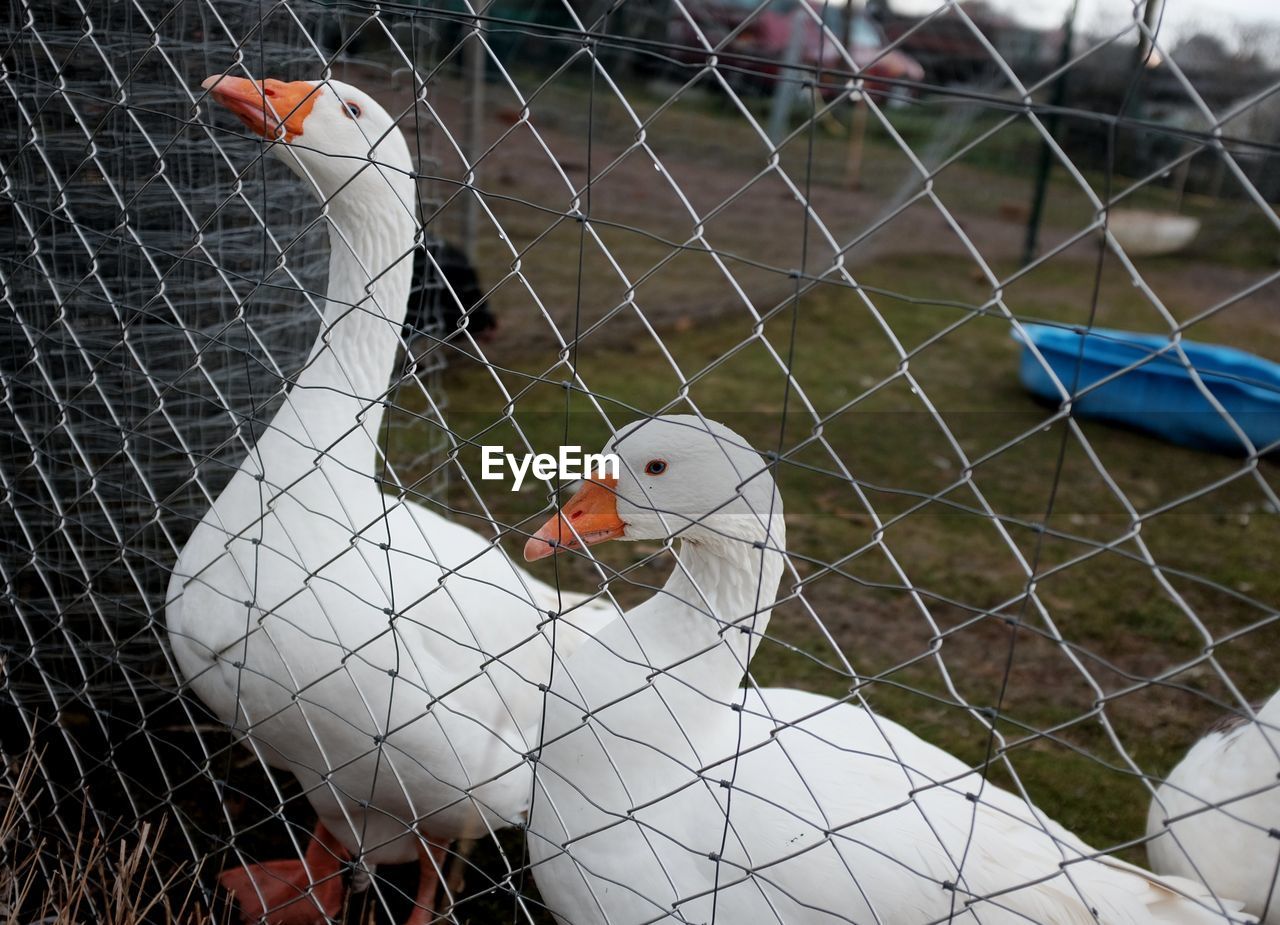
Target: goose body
(318, 627)
(387, 657)
(1223, 803)
(664, 791)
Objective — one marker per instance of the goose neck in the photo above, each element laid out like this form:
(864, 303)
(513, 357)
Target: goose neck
(717, 603)
(336, 404)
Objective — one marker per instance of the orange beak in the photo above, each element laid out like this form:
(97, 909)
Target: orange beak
(590, 517)
(270, 108)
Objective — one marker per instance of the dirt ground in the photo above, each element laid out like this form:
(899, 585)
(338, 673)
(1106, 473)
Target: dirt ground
(692, 218)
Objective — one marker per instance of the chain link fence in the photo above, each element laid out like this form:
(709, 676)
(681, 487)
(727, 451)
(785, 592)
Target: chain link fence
(844, 233)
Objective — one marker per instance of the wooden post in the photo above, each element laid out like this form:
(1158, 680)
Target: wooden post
(476, 58)
(789, 76)
(857, 132)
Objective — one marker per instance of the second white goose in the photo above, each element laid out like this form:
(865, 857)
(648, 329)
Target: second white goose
(664, 791)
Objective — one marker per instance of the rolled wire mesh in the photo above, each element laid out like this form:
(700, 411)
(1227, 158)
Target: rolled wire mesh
(157, 302)
(124, 405)
(649, 248)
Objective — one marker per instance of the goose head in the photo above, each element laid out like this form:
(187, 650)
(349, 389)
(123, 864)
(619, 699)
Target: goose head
(330, 133)
(679, 476)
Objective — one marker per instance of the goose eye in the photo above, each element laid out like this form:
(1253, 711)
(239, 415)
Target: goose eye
(655, 466)
(351, 110)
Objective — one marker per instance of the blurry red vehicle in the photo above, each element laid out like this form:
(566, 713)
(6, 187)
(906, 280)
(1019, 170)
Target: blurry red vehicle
(753, 37)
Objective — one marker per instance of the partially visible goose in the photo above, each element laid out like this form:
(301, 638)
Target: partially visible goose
(445, 294)
(664, 791)
(387, 657)
(1216, 818)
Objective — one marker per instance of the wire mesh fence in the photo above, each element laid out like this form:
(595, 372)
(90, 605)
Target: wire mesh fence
(270, 648)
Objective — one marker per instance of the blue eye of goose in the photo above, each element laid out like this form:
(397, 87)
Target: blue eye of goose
(655, 467)
(351, 110)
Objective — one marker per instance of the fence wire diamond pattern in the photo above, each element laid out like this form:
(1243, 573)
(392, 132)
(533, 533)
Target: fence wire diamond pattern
(838, 232)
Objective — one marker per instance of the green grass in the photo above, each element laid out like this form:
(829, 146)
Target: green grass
(991, 155)
(652, 249)
(1110, 609)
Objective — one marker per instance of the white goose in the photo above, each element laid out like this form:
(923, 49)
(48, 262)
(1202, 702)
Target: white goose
(828, 813)
(1216, 817)
(387, 657)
